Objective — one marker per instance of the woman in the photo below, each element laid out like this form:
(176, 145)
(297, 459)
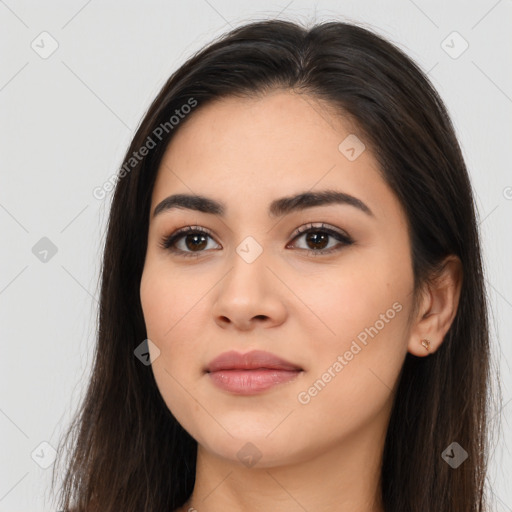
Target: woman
(293, 313)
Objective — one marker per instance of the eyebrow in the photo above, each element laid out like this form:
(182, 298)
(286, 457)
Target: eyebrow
(278, 207)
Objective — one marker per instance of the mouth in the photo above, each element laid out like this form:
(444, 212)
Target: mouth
(250, 373)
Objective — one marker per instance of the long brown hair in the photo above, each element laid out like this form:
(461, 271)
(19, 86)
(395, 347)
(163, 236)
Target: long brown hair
(128, 452)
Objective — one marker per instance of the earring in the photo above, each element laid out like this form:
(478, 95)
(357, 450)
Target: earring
(426, 344)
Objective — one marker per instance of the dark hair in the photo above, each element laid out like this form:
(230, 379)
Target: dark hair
(129, 453)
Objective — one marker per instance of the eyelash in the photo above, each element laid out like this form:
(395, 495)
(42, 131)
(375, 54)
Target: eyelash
(167, 242)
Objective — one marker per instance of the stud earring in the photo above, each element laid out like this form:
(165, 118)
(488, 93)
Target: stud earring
(426, 344)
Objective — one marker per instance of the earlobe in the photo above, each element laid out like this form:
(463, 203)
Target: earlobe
(437, 309)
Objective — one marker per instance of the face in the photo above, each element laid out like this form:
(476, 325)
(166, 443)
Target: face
(333, 299)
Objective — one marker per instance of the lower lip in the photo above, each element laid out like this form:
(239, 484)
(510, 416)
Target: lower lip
(250, 382)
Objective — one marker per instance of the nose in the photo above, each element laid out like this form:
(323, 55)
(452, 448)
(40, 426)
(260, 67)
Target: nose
(249, 295)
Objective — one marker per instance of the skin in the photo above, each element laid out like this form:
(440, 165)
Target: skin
(308, 309)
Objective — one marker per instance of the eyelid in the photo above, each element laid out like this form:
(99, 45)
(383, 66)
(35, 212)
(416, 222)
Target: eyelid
(180, 232)
(321, 227)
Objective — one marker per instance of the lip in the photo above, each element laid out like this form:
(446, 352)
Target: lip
(253, 360)
(250, 373)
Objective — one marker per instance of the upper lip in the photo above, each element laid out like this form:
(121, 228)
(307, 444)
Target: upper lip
(233, 360)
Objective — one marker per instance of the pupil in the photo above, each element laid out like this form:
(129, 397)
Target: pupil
(317, 238)
(195, 237)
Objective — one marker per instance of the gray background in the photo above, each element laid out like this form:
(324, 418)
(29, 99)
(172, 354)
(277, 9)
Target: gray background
(66, 121)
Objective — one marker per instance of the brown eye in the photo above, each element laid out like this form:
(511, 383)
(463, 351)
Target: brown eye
(317, 239)
(195, 240)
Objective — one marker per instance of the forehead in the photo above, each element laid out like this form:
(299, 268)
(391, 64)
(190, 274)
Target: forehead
(246, 151)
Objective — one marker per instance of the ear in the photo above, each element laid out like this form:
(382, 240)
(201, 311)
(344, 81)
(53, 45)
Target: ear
(437, 308)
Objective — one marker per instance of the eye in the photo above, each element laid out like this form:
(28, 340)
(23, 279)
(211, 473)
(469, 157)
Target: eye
(195, 240)
(317, 236)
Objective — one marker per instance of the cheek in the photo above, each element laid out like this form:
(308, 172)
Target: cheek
(162, 310)
(169, 311)
(361, 299)
(357, 359)
(168, 299)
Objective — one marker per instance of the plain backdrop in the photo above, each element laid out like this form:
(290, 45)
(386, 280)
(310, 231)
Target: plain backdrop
(76, 78)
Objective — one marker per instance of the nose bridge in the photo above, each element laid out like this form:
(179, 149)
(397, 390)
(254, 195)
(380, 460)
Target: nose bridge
(250, 249)
(247, 263)
(246, 291)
